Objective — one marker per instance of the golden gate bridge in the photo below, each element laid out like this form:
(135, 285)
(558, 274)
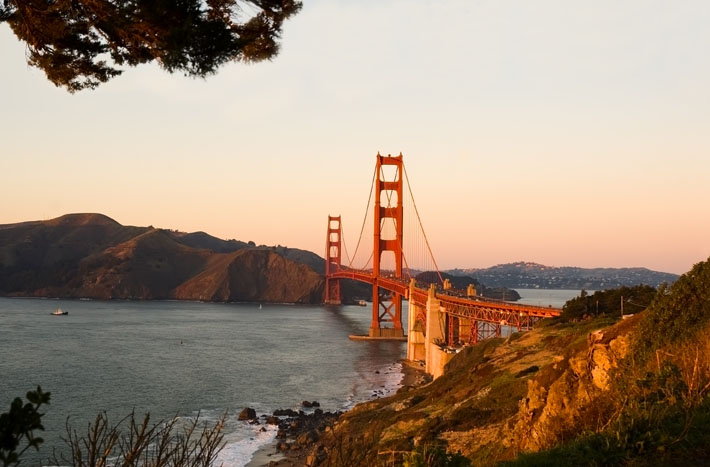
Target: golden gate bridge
(439, 317)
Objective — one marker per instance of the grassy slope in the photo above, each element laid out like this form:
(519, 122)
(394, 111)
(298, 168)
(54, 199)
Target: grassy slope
(471, 409)
(635, 392)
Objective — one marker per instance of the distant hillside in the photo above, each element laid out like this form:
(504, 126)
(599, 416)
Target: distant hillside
(532, 275)
(461, 283)
(91, 255)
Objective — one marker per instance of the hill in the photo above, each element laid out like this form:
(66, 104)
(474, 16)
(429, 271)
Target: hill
(92, 255)
(593, 392)
(532, 276)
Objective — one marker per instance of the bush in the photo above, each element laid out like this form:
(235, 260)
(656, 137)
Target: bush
(677, 312)
(434, 456)
(127, 443)
(608, 302)
(18, 426)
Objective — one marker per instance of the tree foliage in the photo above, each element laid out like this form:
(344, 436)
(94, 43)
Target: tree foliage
(608, 302)
(80, 44)
(678, 311)
(18, 427)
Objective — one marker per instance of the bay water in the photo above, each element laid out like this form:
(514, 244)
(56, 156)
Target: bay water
(555, 298)
(182, 358)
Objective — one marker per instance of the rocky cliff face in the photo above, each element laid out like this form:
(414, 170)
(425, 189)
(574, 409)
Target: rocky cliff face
(91, 255)
(497, 399)
(571, 394)
(254, 275)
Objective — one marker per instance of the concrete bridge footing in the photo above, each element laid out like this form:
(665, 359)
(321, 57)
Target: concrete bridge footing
(426, 344)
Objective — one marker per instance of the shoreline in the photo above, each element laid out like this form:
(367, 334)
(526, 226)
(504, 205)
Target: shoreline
(413, 375)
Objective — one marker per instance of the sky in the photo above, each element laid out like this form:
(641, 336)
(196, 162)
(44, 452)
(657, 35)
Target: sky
(562, 132)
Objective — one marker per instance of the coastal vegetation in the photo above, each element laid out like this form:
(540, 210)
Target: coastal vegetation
(19, 427)
(626, 300)
(130, 442)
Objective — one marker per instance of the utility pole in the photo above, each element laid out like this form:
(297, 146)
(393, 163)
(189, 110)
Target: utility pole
(622, 307)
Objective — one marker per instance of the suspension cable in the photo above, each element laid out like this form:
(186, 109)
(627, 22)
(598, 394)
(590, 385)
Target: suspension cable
(414, 203)
(345, 246)
(364, 220)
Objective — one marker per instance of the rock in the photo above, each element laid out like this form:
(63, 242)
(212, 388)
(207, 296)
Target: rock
(272, 420)
(318, 413)
(315, 404)
(285, 413)
(303, 439)
(282, 446)
(311, 460)
(281, 434)
(247, 414)
(306, 404)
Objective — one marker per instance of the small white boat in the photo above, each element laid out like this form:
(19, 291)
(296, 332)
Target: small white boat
(260, 306)
(59, 312)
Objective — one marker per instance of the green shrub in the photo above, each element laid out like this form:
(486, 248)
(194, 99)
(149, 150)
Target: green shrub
(434, 456)
(18, 427)
(677, 311)
(608, 302)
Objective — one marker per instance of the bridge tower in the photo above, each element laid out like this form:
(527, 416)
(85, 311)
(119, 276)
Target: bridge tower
(387, 307)
(332, 260)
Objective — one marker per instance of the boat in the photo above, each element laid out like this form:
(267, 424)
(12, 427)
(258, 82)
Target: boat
(260, 306)
(362, 303)
(59, 312)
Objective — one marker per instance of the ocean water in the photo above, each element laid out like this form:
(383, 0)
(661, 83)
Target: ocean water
(183, 358)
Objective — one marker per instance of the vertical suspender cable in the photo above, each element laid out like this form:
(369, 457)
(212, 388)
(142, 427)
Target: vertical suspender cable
(409, 186)
(367, 209)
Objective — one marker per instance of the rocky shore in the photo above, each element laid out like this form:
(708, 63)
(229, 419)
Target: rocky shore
(296, 442)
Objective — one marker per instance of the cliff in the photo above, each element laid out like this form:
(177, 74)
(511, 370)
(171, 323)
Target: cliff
(592, 392)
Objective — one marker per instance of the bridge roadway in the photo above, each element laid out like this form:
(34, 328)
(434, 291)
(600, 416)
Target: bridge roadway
(491, 311)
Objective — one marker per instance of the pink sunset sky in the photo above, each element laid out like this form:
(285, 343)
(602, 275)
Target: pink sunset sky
(564, 133)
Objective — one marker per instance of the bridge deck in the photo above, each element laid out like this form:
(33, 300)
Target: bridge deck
(472, 307)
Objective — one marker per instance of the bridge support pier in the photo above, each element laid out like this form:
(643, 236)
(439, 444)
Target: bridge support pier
(416, 350)
(436, 355)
